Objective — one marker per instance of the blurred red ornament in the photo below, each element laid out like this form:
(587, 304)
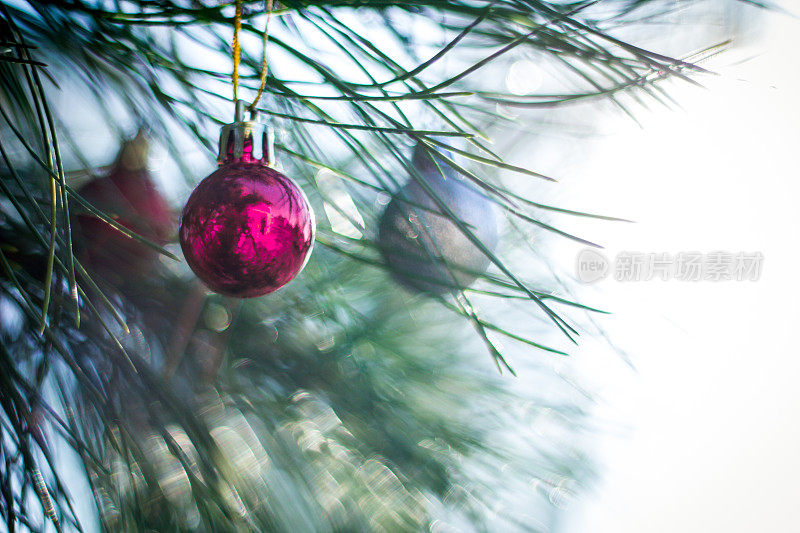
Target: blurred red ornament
(247, 229)
(127, 195)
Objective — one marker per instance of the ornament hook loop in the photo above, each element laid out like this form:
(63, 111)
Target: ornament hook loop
(238, 113)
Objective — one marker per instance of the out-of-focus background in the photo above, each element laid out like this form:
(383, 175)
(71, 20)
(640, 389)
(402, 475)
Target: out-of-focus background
(702, 434)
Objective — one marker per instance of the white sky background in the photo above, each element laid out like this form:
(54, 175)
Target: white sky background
(704, 434)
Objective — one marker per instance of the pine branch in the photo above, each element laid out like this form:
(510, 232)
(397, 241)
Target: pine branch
(260, 412)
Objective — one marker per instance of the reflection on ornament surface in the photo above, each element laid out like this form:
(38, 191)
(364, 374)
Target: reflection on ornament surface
(246, 230)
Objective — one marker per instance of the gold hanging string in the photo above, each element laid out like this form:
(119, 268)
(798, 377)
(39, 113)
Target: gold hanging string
(237, 52)
(237, 49)
(264, 39)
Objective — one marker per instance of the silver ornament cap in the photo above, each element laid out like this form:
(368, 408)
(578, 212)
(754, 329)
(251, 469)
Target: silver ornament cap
(249, 141)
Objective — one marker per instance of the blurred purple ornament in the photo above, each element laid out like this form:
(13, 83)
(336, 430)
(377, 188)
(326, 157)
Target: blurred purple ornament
(247, 230)
(425, 250)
